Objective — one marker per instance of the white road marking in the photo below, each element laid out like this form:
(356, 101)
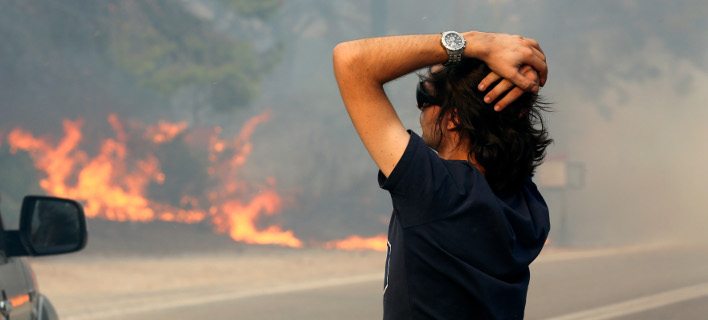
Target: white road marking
(119, 308)
(559, 254)
(638, 305)
(122, 311)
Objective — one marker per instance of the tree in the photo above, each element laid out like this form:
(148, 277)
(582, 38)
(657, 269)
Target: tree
(165, 44)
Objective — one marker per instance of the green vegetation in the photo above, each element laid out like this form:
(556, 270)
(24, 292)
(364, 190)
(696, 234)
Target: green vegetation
(18, 178)
(164, 44)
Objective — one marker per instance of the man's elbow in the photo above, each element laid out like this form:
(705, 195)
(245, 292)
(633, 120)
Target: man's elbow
(344, 56)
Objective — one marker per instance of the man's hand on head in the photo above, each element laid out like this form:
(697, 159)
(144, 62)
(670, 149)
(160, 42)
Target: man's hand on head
(507, 55)
(507, 89)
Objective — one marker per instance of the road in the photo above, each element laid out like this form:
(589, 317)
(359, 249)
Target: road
(659, 282)
(632, 284)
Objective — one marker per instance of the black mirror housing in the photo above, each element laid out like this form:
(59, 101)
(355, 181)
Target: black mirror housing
(50, 225)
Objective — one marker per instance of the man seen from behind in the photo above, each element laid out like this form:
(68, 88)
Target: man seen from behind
(467, 219)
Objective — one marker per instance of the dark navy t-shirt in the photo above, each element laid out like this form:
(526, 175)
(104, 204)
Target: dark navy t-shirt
(456, 249)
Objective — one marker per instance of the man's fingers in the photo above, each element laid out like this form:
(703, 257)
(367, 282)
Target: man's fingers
(530, 73)
(523, 83)
(507, 53)
(537, 59)
(540, 66)
(487, 81)
(510, 97)
(536, 49)
(539, 54)
(498, 90)
(527, 71)
(534, 44)
(543, 73)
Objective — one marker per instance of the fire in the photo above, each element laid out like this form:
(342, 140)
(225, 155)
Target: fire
(19, 300)
(355, 242)
(114, 183)
(56, 161)
(164, 131)
(243, 215)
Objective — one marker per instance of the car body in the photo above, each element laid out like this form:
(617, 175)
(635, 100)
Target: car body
(48, 226)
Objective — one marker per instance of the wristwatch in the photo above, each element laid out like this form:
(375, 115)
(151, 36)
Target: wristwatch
(454, 43)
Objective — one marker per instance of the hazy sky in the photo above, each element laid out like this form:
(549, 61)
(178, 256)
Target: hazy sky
(626, 81)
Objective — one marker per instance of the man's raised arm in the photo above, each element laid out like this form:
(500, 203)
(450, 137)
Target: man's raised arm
(363, 66)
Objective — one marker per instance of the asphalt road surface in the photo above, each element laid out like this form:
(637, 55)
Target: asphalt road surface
(660, 282)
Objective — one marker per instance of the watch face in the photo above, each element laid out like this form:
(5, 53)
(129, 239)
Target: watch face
(453, 41)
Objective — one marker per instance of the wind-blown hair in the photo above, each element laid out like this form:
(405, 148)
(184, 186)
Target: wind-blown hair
(509, 144)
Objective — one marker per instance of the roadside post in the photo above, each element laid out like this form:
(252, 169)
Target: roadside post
(555, 178)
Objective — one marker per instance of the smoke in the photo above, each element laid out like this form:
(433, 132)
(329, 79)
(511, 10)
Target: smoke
(625, 80)
(644, 172)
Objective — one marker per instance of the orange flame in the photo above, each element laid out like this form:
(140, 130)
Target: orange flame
(242, 228)
(113, 184)
(19, 300)
(164, 131)
(377, 243)
(56, 162)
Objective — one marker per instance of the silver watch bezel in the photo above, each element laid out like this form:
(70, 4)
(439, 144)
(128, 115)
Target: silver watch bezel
(449, 47)
(454, 52)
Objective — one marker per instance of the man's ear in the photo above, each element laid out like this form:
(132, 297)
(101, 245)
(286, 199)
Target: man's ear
(452, 120)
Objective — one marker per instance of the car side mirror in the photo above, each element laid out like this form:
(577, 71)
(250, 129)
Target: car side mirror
(50, 225)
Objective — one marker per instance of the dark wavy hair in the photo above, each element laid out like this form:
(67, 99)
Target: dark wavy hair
(509, 144)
